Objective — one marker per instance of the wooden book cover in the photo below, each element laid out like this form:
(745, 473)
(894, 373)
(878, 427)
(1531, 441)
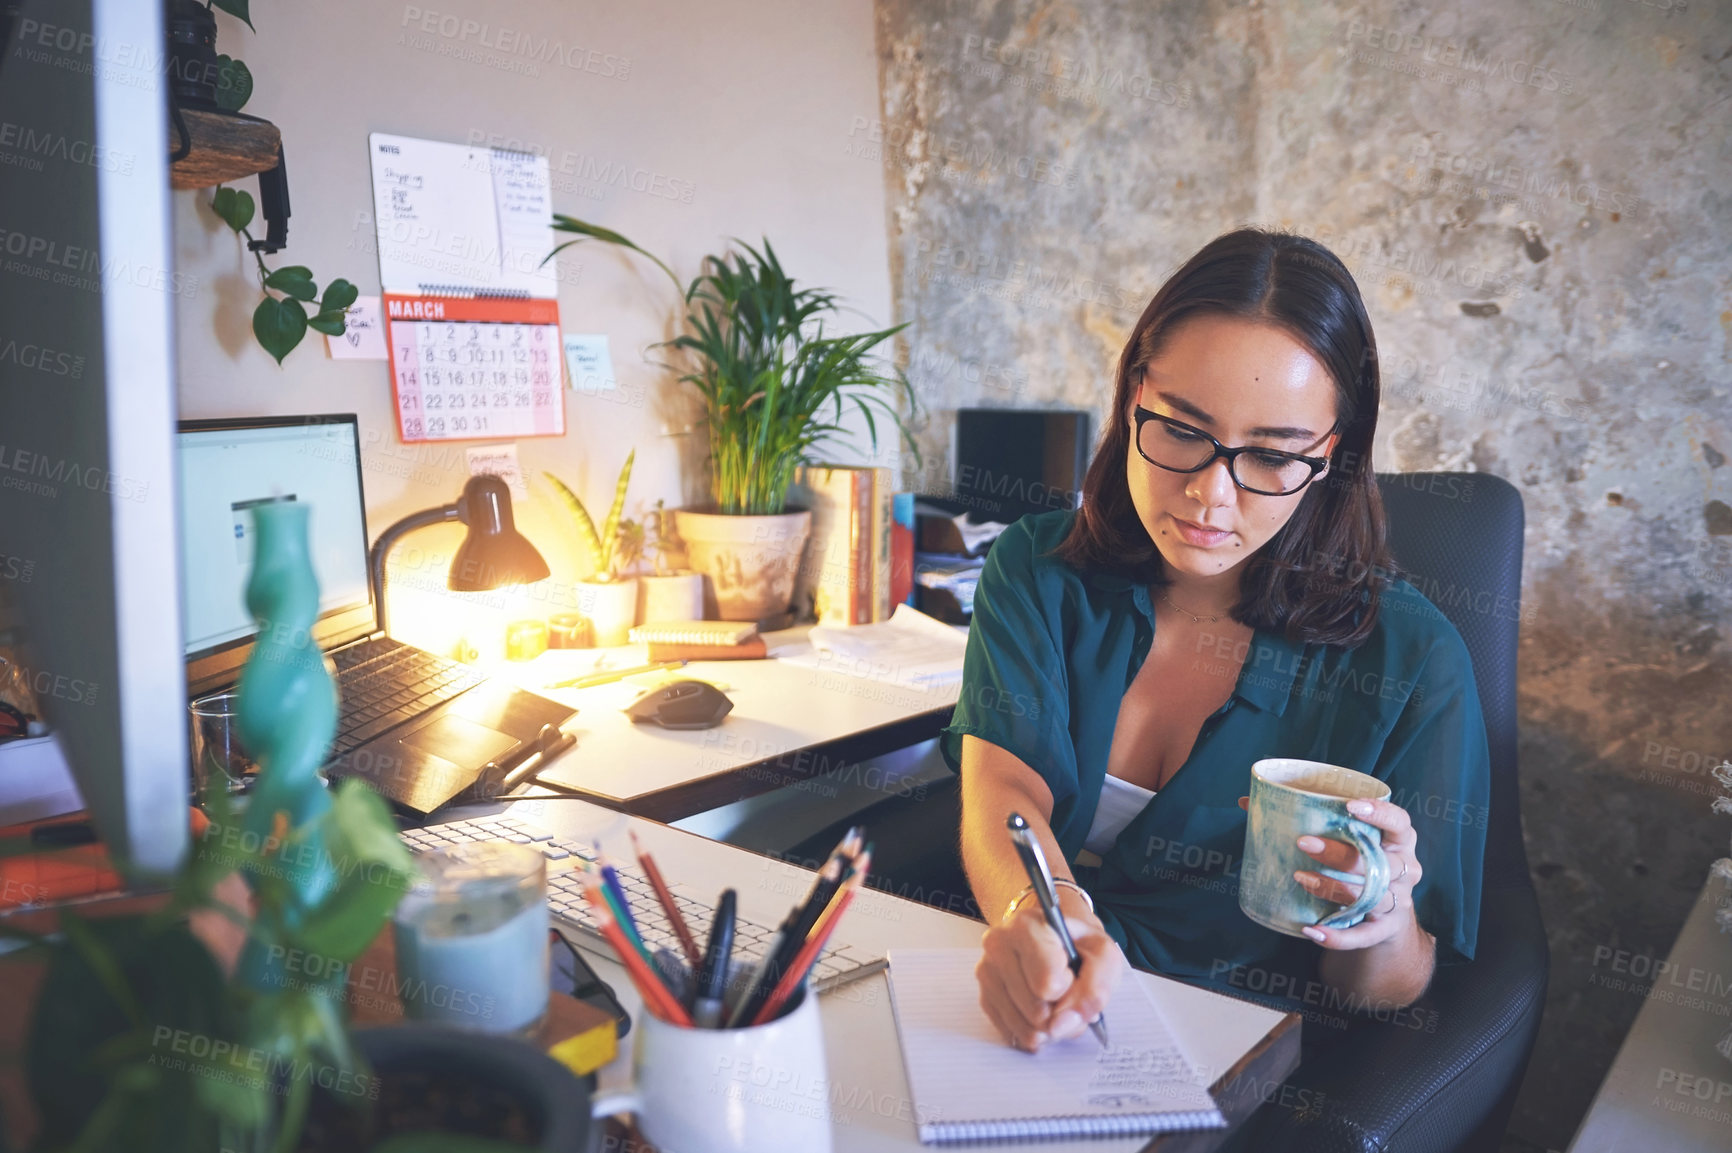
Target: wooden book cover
(838, 557)
(883, 519)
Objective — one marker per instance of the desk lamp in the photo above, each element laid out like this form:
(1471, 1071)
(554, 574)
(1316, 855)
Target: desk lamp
(493, 553)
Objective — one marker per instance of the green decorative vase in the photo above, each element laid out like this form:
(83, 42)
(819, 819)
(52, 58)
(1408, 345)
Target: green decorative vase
(288, 715)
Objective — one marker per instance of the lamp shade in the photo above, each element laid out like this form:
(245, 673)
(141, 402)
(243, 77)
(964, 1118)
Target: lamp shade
(493, 552)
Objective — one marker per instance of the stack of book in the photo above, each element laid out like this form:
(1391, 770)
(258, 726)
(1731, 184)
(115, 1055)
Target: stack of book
(859, 563)
(700, 640)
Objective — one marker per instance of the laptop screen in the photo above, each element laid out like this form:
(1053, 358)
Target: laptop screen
(227, 468)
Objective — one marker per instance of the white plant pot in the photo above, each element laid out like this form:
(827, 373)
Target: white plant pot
(749, 561)
(679, 597)
(611, 607)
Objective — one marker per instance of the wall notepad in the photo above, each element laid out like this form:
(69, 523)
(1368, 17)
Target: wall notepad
(471, 310)
(969, 1086)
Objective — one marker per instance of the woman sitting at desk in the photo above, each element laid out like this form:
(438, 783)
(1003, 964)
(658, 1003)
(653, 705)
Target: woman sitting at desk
(1224, 594)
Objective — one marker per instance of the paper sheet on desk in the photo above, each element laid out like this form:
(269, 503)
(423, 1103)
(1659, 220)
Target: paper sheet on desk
(908, 649)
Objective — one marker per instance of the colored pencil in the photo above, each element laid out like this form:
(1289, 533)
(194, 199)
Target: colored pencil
(590, 680)
(611, 876)
(611, 898)
(808, 954)
(688, 943)
(792, 931)
(784, 944)
(655, 994)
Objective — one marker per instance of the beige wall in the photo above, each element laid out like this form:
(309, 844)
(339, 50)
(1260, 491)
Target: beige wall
(748, 103)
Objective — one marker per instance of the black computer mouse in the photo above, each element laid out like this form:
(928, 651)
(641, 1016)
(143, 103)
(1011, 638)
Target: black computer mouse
(681, 705)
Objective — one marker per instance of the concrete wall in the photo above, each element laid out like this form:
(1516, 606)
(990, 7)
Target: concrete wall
(1532, 195)
(733, 114)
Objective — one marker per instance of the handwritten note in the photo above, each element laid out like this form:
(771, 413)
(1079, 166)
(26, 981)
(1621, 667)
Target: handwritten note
(498, 460)
(522, 199)
(363, 333)
(588, 364)
(457, 218)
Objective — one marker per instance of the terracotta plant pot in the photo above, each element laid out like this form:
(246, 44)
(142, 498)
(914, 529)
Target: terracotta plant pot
(611, 607)
(750, 561)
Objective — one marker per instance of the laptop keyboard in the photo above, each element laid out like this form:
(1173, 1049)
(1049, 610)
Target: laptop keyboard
(836, 966)
(381, 684)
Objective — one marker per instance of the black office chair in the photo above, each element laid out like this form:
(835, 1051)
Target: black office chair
(1386, 1086)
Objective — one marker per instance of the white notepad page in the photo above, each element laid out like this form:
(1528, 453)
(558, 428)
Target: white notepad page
(457, 218)
(968, 1085)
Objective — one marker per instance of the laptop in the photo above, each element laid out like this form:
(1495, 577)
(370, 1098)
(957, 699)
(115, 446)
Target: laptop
(421, 729)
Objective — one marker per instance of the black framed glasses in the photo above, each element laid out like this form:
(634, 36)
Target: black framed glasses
(1180, 447)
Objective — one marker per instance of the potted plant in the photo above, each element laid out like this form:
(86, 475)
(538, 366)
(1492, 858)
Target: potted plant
(775, 386)
(672, 592)
(607, 589)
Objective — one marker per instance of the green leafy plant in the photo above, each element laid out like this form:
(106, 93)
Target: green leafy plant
(611, 552)
(234, 80)
(279, 322)
(775, 386)
(140, 1041)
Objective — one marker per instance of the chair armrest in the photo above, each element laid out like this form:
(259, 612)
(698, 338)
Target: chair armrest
(1426, 1077)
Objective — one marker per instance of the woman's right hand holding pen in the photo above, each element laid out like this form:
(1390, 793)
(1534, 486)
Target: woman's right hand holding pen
(1026, 986)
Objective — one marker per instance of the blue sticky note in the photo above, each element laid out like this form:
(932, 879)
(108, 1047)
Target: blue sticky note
(588, 364)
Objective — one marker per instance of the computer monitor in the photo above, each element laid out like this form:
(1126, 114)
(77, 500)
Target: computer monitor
(227, 467)
(88, 406)
(1015, 462)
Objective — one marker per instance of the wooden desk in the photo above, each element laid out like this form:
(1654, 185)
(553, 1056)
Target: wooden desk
(1249, 1049)
(790, 723)
(1669, 1088)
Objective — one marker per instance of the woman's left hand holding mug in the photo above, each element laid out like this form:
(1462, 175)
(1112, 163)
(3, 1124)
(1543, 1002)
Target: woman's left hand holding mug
(1394, 914)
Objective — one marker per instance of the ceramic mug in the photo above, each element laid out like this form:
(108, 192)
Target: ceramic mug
(729, 1090)
(1291, 799)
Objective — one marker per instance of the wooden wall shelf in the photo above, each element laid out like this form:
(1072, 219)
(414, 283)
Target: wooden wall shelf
(225, 146)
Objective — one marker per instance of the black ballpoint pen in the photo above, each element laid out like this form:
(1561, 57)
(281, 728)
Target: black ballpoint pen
(1040, 878)
(710, 981)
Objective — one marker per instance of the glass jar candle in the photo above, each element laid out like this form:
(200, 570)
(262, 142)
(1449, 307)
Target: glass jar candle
(525, 640)
(471, 938)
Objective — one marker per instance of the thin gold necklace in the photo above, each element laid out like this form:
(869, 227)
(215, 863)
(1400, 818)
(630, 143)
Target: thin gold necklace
(1195, 619)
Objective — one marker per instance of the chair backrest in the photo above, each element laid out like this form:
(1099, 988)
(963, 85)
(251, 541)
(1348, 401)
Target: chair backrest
(1457, 536)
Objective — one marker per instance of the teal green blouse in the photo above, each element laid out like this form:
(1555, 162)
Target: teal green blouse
(1051, 652)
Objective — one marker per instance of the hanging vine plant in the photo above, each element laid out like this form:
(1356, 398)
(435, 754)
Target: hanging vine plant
(280, 321)
(291, 303)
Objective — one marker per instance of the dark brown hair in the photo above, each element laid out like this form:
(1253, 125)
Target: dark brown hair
(1317, 580)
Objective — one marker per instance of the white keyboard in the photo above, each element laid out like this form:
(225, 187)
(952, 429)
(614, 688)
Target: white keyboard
(838, 965)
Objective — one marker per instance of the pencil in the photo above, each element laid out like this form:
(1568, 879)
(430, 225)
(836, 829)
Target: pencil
(655, 994)
(808, 954)
(688, 943)
(611, 876)
(590, 680)
(611, 897)
(793, 929)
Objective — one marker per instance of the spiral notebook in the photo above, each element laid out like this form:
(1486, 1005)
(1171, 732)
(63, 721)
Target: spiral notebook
(969, 1086)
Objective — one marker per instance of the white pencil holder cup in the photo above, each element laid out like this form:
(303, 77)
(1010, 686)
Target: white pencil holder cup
(729, 1090)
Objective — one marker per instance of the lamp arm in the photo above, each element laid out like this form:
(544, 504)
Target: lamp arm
(388, 540)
